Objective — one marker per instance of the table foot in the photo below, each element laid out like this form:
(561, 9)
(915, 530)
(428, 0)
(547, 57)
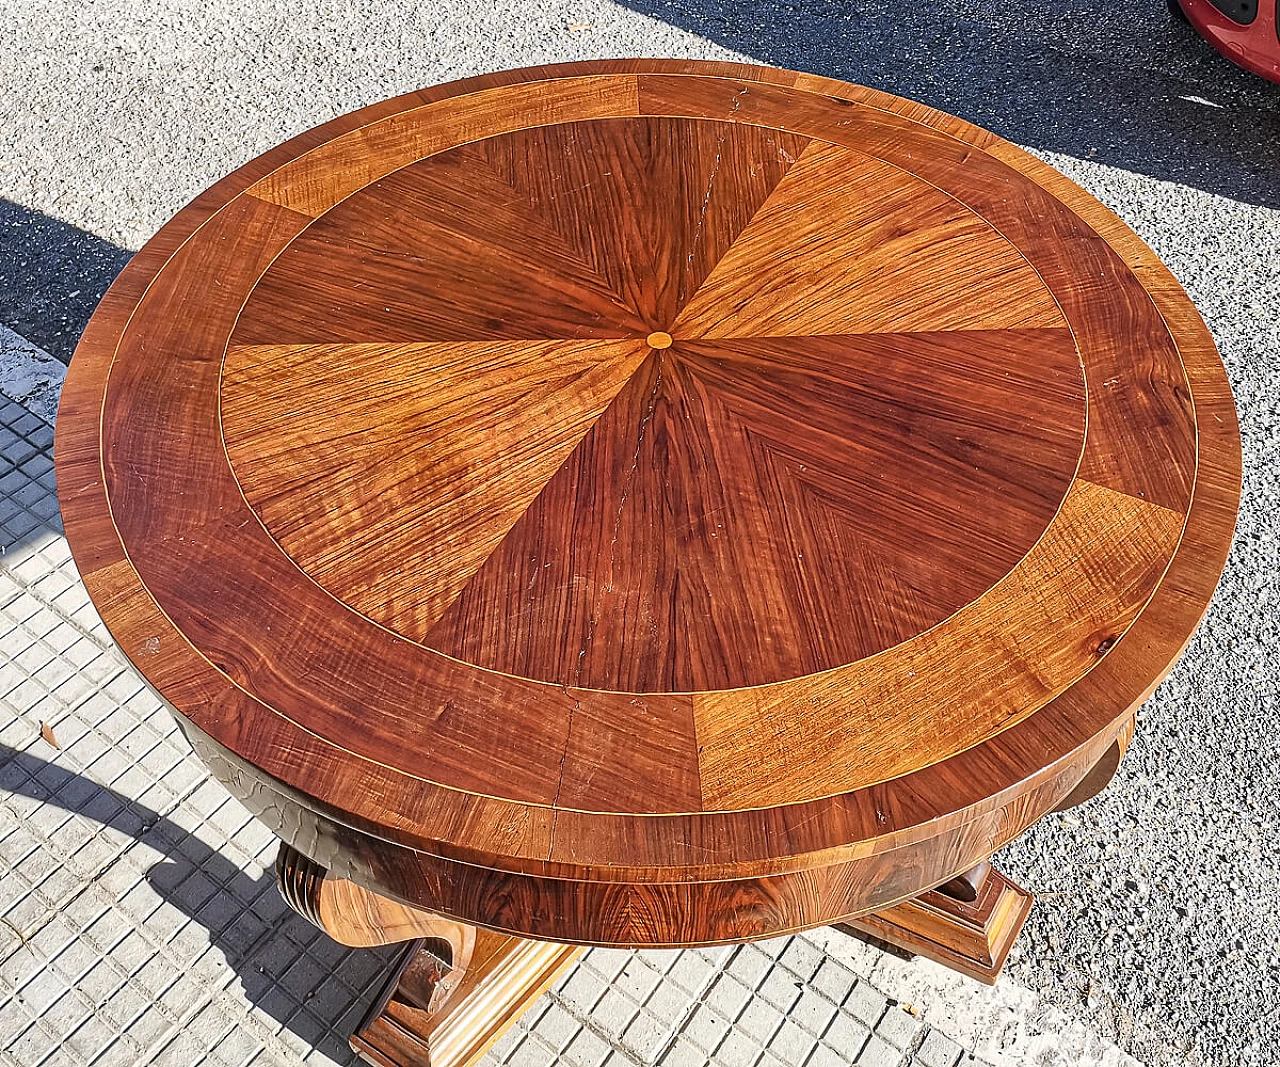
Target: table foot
(456, 988)
(972, 936)
(411, 1025)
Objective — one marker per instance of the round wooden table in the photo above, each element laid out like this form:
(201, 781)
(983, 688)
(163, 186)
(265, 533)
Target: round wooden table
(646, 503)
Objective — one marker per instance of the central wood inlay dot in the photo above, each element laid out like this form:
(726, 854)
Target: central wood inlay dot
(658, 340)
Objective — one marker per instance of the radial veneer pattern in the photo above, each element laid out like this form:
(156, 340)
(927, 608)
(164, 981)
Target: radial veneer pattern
(649, 502)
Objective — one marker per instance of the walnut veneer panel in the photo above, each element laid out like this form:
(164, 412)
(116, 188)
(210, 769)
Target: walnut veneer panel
(649, 502)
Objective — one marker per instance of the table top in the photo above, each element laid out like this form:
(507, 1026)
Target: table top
(649, 471)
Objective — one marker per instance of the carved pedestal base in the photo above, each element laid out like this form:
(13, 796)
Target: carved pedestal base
(456, 989)
(971, 936)
(506, 975)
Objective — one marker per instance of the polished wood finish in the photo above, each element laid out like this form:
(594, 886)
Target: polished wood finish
(649, 502)
(408, 1025)
(1095, 781)
(352, 915)
(455, 989)
(964, 887)
(970, 936)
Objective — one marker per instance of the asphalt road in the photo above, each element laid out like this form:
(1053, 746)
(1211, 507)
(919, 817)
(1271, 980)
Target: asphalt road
(1158, 923)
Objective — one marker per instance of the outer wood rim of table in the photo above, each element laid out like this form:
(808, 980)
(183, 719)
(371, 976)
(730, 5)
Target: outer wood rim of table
(474, 837)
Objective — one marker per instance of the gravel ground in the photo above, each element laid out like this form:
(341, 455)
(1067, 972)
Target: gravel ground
(1158, 918)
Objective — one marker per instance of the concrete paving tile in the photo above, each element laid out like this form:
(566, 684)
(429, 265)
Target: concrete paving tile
(586, 1049)
(50, 940)
(669, 1003)
(938, 1050)
(609, 962)
(645, 1036)
(124, 1005)
(760, 1020)
(103, 669)
(706, 1028)
(660, 959)
(90, 1037)
(42, 989)
(683, 1053)
(152, 1027)
(533, 1052)
(867, 1004)
(825, 1056)
(25, 695)
(32, 658)
(505, 1046)
(638, 979)
(25, 852)
(877, 1052)
(847, 1036)
(791, 1043)
(581, 990)
(66, 1014)
(13, 641)
(557, 1027)
(801, 958)
(237, 1047)
(185, 1049)
(780, 989)
(737, 1050)
(728, 996)
(25, 916)
(15, 1016)
(834, 981)
(899, 1027)
(813, 1012)
(31, 1046)
(692, 972)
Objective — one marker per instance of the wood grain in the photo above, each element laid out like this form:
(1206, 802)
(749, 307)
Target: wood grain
(315, 180)
(1138, 390)
(352, 915)
(649, 502)
(667, 197)
(706, 536)
(849, 244)
(411, 532)
(973, 669)
(506, 976)
(971, 936)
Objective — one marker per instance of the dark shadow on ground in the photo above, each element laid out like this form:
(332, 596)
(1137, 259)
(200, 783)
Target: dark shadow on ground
(51, 277)
(1122, 84)
(319, 994)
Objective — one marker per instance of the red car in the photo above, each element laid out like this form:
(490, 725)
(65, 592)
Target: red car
(1247, 32)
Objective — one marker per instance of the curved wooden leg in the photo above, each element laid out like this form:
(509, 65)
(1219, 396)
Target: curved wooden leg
(454, 991)
(965, 887)
(355, 916)
(1100, 774)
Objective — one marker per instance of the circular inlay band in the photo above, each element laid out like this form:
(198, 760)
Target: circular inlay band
(374, 464)
(794, 485)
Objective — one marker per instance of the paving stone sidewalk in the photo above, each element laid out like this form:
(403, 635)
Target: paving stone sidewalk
(140, 923)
